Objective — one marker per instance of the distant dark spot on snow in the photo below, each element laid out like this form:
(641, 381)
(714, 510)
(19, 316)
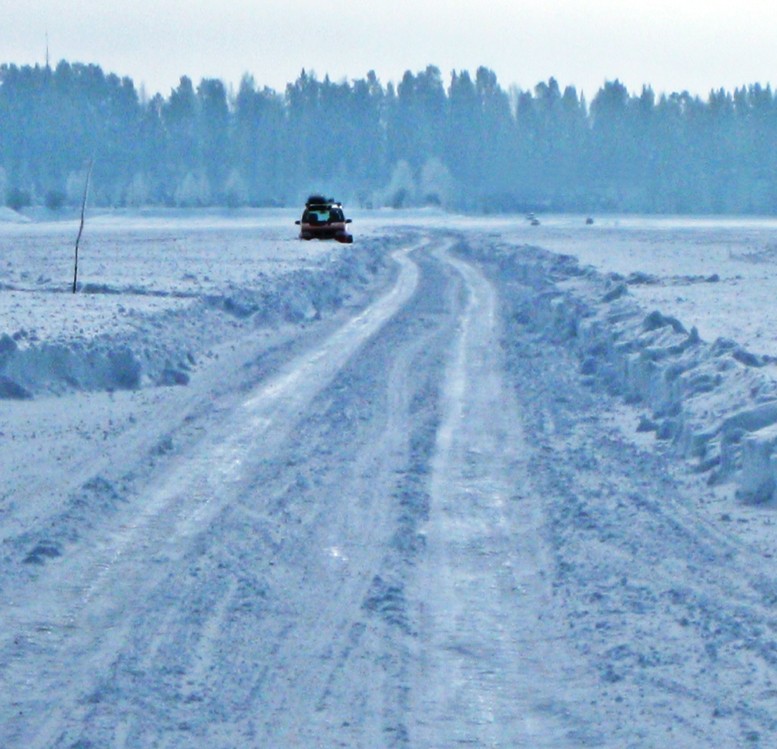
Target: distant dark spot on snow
(10, 390)
(641, 278)
(240, 309)
(7, 345)
(99, 288)
(646, 425)
(387, 600)
(105, 289)
(85, 743)
(97, 493)
(616, 292)
(173, 377)
(164, 446)
(125, 369)
(748, 359)
(43, 551)
(656, 320)
(723, 346)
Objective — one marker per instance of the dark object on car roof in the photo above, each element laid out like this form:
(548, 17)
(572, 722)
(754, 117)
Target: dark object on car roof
(323, 218)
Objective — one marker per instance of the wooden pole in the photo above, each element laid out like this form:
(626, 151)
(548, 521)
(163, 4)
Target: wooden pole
(81, 227)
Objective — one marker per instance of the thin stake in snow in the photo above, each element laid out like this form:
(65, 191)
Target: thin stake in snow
(81, 227)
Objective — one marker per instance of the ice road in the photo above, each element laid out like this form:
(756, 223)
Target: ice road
(419, 519)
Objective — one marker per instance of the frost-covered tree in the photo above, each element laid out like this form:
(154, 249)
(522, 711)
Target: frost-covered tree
(542, 147)
(138, 192)
(193, 191)
(436, 185)
(417, 121)
(236, 190)
(213, 130)
(401, 190)
(180, 120)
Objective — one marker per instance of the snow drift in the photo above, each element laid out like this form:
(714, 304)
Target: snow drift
(714, 402)
(162, 335)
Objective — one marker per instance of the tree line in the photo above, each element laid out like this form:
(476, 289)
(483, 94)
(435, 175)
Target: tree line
(462, 142)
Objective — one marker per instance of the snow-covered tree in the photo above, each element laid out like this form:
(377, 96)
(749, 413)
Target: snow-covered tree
(436, 185)
(236, 189)
(401, 190)
(138, 191)
(193, 191)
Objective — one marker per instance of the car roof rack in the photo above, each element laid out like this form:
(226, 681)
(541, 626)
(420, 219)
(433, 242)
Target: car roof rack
(321, 200)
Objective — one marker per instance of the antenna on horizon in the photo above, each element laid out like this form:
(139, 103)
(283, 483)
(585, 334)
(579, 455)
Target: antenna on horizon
(48, 67)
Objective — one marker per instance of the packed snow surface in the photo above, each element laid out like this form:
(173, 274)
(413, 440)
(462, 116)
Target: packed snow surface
(464, 482)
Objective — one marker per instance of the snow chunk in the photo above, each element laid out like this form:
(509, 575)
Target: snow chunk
(759, 465)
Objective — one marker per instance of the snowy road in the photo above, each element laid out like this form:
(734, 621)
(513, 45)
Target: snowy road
(412, 525)
(479, 649)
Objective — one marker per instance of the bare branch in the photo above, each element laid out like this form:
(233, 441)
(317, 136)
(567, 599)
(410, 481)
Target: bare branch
(81, 227)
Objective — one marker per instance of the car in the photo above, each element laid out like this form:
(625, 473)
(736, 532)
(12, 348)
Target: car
(323, 218)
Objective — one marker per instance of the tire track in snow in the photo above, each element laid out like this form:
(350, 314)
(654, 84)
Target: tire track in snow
(343, 660)
(86, 625)
(490, 667)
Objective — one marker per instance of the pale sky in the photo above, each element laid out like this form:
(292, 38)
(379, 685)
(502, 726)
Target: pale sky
(673, 45)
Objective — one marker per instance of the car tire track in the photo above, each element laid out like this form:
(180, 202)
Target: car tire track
(71, 634)
(482, 596)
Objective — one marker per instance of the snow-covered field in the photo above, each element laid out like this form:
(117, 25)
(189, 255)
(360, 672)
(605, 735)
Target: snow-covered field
(464, 482)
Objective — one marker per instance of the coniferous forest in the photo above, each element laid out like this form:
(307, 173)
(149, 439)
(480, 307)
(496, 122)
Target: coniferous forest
(460, 141)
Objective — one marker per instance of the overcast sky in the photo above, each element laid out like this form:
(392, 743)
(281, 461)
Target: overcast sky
(671, 44)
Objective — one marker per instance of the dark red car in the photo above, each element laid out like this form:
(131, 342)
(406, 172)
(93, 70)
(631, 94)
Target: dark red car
(323, 218)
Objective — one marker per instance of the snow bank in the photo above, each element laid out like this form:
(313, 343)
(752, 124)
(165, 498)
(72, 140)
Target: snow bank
(11, 216)
(718, 274)
(138, 335)
(715, 402)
